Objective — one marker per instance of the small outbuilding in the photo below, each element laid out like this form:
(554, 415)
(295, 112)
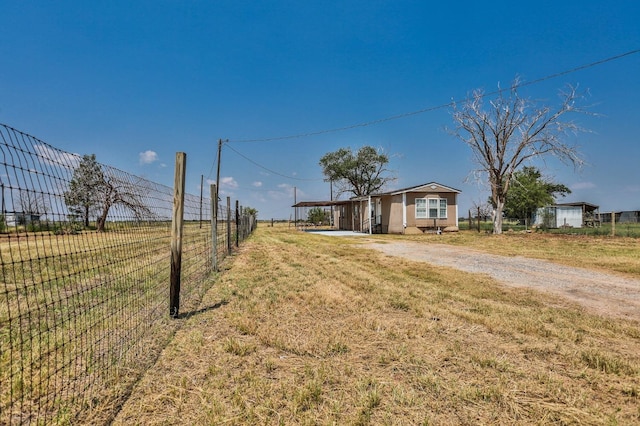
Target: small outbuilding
(567, 215)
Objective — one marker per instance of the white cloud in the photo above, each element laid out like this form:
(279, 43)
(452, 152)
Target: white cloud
(583, 185)
(56, 157)
(287, 192)
(148, 157)
(257, 184)
(228, 183)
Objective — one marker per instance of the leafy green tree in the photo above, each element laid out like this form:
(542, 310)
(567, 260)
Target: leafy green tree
(510, 131)
(530, 191)
(362, 173)
(317, 215)
(250, 211)
(85, 188)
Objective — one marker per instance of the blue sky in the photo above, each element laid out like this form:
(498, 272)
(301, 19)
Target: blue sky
(134, 82)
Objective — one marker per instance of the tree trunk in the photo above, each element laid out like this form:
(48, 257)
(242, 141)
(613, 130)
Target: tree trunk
(497, 216)
(102, 219)
(86, 217)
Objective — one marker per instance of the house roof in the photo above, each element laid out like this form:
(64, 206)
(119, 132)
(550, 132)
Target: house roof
(321, 203)
(431, 186)
(425, 187)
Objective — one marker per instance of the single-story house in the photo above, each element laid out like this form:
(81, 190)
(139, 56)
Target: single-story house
(427, 207)
(567, 215)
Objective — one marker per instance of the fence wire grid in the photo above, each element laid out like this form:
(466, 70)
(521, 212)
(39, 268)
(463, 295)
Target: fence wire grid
(84, 292)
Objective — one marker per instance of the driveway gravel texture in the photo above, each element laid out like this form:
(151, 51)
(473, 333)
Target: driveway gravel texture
(602, 293)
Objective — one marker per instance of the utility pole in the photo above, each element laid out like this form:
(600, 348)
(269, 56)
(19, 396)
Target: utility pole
(218, 174)
(295, 209)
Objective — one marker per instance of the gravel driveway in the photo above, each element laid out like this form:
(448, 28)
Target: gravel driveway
(606, 294)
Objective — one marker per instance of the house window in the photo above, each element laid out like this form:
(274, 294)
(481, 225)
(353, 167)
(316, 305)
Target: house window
(421, 208)
(431, 208)
(443, 208)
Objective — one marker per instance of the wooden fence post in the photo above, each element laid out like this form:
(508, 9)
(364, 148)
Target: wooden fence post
(237, 223)
(229, 243)
(214, 227)
(176, 234)
(613, 224)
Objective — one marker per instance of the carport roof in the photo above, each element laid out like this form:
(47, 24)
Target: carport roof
(322, 203)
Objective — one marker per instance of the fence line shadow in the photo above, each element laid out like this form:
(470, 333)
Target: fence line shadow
(187, 315)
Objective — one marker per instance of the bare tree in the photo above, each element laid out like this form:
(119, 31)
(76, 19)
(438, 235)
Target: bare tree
(32, 202)
(512, 131)
(482, 209)
(117, 191)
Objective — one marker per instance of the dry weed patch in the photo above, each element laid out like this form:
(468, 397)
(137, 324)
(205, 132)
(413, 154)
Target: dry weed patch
(317, 330)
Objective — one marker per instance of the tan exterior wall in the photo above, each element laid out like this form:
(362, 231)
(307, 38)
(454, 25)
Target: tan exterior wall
(344, 217)
(395, 213)
(385, 211)
(419, 225)
(351, 216)
(451, 219)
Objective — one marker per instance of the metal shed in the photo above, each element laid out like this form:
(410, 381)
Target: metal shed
(567, 215)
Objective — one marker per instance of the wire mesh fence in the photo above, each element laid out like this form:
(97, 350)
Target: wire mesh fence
(84, 285)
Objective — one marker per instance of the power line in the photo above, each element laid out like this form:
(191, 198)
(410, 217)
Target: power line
(268, 170)
(432, 108)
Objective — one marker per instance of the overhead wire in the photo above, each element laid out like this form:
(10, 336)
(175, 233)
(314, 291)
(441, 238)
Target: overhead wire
(436, 107)
(404, 115)
(226, 145)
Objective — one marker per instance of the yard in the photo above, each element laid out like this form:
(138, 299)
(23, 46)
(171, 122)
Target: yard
(309, 329)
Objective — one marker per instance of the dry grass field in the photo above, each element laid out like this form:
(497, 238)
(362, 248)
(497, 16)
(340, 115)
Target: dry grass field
(307, 329)
(83, 316)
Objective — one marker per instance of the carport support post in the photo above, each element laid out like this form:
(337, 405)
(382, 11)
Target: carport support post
(176, 234)
(370, 216)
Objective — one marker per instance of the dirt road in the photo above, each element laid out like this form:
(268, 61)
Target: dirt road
(606, 294)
